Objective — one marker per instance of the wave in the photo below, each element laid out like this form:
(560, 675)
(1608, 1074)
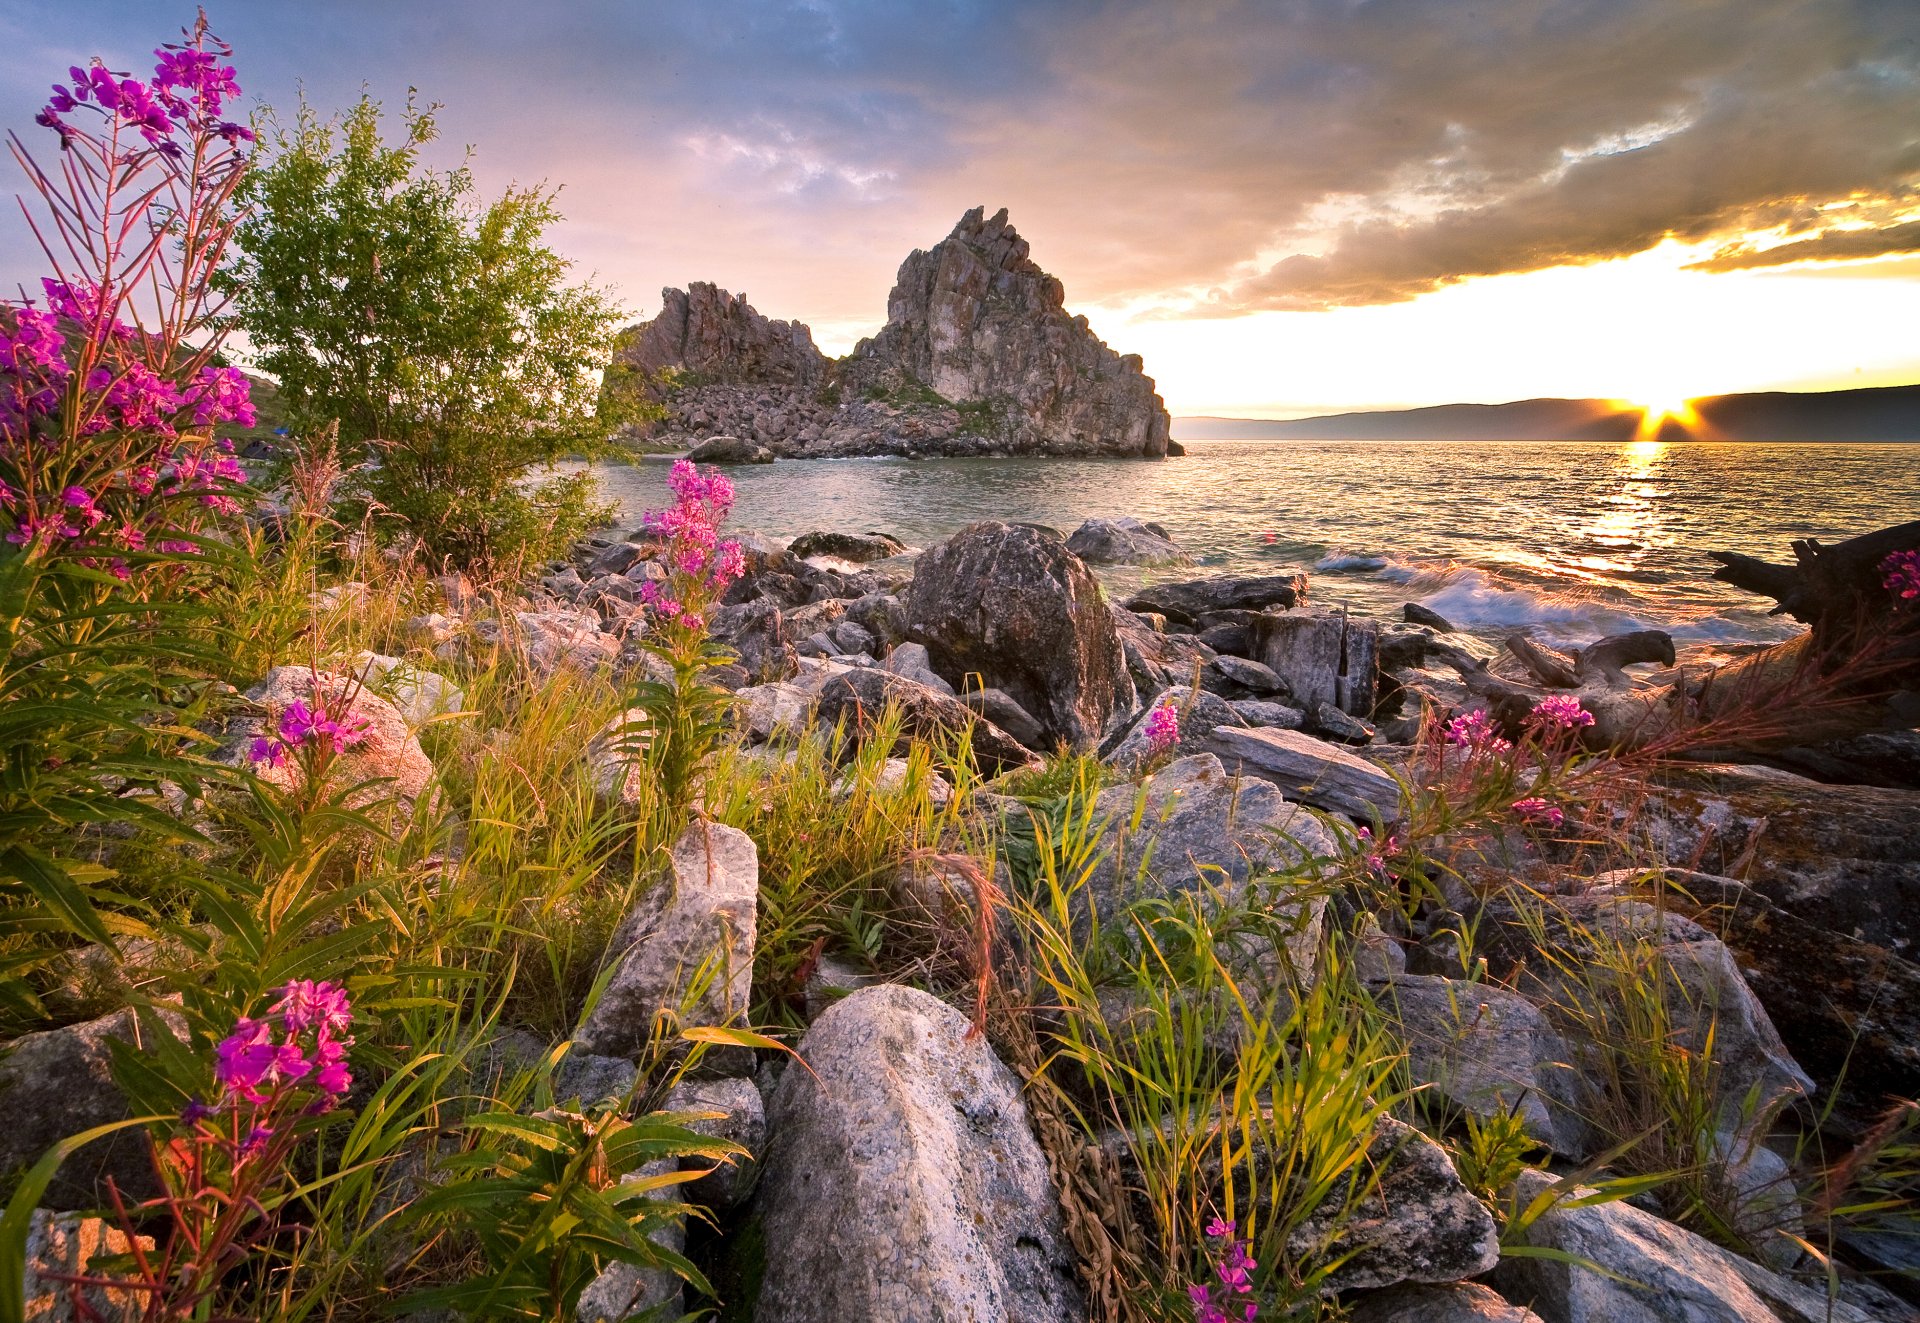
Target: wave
(1350, 560)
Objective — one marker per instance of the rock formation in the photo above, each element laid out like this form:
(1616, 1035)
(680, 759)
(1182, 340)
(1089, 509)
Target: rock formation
(978, 357)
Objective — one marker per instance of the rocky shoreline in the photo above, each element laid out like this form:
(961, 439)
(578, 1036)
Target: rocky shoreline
(978, 357)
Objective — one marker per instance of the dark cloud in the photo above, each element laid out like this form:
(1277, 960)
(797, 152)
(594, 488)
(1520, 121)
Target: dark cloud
(1219, 156)
(1827, 246)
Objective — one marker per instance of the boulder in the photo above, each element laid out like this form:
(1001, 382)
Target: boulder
(741, 1118)
(1309, 770)
(1246, 677)
(687, 946)
(388, 753)
(1264, 712)
(417, 695)
(1010, 604)
(856, 547)
(1415, 1223)
(730, 450)
(1330, 723)
(1189, 599)
(770, 710)
(616, 760)
(903, 1183)
(1125, 541)
(910, 661)
(882, 615)
(553, 639)
(64, 1245)
(1451, 1302)
(1490, 1052)
(997, 706)
(975, 321)
(1197, 713)
(58, 1082)
(1200, 828)
(1613, 1263)
(624, 1290)
(858, 697)
(757, 634)
(1324, 657)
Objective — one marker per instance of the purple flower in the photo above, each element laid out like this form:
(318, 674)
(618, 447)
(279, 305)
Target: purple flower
(1473, 732)
(1900, 573)
(1163, 727)
(256, 1140)
(245, 1059)
(268, 751)
(1559, 712)
(195, 1112)
(305, 1004)
(1377, 858)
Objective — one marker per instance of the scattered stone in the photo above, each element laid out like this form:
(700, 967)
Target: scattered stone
(910, 661)
(695, 926)
(1450, 1302)
(1670, 1274)
(1010, 604)
(1189, 599)
(1262, 712)
(768, 711)
(851, 639)
(882, 615)
(903, 1182)
(742, 1120)
(61, 1245)
(730, 450)
(858, 697)
(419, 696)
(1310, 771)
(616, 760)
(1249, 676)
(1125, 541)
(59, 1082)
(1415, 614)
(856, 547)
(1491, 1053)
(388, 753)
(553, 640)
(1324, 657)
(1330, 723)
(1417, 1222)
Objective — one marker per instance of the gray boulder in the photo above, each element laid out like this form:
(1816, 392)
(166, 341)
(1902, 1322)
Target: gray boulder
(1309, 770)
(740, 1117)
(1010, 604)
(1451, 1302)
(1648, 1271)
(770, 710)
(387, 753)
(856, 698)
(1189, 599)
(730, 450)
(757, 633)
(1246, 676)
(1125, 541)
(997, 706)
(553, 639)
(910, 660)
(903, 1183)
(616, 760)
(1263, 712)
(1324, 657)
(1490, 1052)
(686, 948)
(417, 695)
(1197, 712)
(59, 1082)
(856, 547)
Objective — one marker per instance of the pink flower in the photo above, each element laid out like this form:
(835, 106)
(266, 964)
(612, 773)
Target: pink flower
(268, 751)
(1559, 712)
(1537, 809)
(1163, 727)
(245, 1059)
(1900, 572)
(305, 1004)
(1377, 858)
(1475, 733)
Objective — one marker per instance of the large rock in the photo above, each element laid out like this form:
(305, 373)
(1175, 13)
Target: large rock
(757, 633)
(1452, 1302)
(1309, 770)
(1613, 1263)
(977, 322)
(388, 752)
(1196, 713)
(686, 948)
(418, 695)
(1491, 1053)
(1843, 857)
(59, 1082)
(770, 710)
(730, 450)
(1198, 828)
(903, 1183)
(1323, 656)
(553, 639)
(1010, 604)
(705, 330)
(856, 547)
(1125, 541)
(738, 1115)
(1415, 1223)
(62, 1246)
(856, 698)
(1189, 599)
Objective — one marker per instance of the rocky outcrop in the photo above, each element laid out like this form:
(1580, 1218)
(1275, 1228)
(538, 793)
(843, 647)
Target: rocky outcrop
(718, 337)
(1010, 604)
(903, 1182)
(1125, 541)
(979, 356)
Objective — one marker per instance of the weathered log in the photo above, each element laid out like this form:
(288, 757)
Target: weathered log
(1550, 668)
(1605, 661)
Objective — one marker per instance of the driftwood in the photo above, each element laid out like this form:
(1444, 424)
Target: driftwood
(1856, 668)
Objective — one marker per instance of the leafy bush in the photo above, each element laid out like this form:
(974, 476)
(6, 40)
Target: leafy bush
(437, 332)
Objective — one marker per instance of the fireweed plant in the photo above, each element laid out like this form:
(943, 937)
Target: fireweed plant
(113, 483)
(685, 717)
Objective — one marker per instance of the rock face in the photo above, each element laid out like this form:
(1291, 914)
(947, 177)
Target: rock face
(1671, 1275)
(978, 356)
(695, 925)
(903, 1182)
(706, 330)
(1010, 604)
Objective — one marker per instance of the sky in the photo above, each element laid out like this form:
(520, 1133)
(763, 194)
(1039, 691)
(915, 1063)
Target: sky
(1286, 207)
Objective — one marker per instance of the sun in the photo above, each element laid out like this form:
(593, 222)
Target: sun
(1657, 410)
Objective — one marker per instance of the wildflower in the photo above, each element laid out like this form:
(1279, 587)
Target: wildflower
(1537, 809)
(1559, 712)
(305, 1004)
(1473, 732)
(195, 1112)
(1163, 727)
(1900, 573)
(256, 1140)
(245, 1059)
(1377, 858)
(268, 751)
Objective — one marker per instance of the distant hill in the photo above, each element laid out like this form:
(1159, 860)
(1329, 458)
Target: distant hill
(1886, 413)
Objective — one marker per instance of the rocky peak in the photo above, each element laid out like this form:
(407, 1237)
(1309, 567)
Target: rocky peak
(977, 321)
(718, 335)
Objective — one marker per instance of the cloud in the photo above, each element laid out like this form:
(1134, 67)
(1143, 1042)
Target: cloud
(1827, 246)
(1214, 157)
